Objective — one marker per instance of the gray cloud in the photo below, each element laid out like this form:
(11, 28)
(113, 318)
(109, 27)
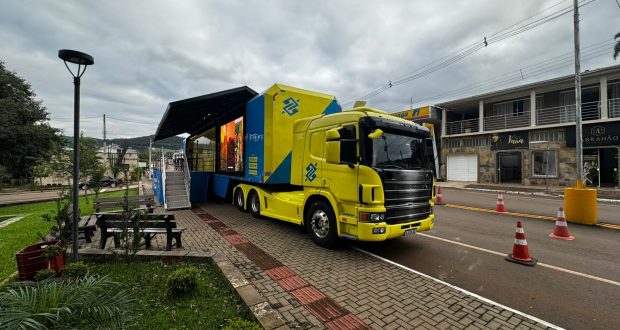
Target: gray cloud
(149, 53)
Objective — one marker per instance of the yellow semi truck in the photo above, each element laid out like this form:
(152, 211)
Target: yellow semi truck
(294, 155)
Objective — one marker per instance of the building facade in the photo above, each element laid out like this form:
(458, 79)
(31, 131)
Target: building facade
(526, 134)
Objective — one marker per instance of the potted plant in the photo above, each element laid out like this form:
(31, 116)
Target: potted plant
(39, 256)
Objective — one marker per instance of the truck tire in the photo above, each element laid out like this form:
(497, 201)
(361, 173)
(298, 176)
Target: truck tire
(240, 200)
(254, 204)
(320, 223)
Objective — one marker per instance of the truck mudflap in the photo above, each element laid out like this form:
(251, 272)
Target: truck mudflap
(383, 231)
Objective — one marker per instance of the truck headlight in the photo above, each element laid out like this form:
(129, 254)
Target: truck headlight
(371, 217)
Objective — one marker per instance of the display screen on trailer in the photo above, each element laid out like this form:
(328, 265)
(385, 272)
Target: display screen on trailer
(231, 146)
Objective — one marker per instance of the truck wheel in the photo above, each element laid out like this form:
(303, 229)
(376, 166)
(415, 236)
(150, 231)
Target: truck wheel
(321, 224)
(240, 200)
(254, 204)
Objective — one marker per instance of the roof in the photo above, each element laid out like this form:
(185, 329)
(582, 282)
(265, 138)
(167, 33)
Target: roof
(559, 80)
(194, 114)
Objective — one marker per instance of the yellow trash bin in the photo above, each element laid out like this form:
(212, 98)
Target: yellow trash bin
(580, 204)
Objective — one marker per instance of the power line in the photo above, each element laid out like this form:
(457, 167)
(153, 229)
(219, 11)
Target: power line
(536, 69)
(466, 51)
(131, 121)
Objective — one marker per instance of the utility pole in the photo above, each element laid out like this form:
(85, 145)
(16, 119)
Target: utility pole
(104, 135)
(578, 133)
(150, 148)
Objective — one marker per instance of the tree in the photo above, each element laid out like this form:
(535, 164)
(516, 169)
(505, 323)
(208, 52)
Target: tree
(26, 138)
(617, 46)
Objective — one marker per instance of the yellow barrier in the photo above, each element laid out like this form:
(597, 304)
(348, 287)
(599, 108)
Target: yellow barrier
(580, 204)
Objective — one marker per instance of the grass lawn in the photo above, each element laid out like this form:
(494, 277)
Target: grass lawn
(22, 233)
(211, 306)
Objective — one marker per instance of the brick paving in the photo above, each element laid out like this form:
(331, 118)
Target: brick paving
(316, 288)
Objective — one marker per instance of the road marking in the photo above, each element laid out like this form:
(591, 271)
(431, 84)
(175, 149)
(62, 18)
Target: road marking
(537, 196)
(592, 277)
(477, 296)
(523, 215)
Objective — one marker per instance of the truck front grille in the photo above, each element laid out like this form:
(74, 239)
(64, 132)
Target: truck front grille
(407, 200)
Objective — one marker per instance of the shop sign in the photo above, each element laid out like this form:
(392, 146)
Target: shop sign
(413, 114)
(596, 135)
(510, 140)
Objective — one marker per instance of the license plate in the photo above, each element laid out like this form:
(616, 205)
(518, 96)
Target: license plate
(409, 231)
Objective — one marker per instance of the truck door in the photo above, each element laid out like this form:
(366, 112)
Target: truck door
(341, 178)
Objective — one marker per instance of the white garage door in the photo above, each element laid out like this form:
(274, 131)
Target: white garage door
(463, 167)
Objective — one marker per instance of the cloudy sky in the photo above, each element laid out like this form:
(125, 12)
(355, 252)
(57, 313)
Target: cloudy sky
(149, 53)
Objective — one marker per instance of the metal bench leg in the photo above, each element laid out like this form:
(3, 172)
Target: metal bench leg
(147, 241)
(87, 234)
(178, 239)
(168, 242)
(103, 240)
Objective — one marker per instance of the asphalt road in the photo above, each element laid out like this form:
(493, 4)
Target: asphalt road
(36, 196)
(566, 299)
(537, 205)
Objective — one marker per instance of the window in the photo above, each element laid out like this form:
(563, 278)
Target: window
(515, 108)
(201, 151)
(544, 163)
(476, 142)
(547, 136)
(348, 145)
(453, 143)
(231, 146)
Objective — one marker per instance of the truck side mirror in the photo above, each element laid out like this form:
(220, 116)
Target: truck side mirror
(332, 149)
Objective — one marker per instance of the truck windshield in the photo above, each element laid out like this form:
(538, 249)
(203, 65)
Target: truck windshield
(399, 151)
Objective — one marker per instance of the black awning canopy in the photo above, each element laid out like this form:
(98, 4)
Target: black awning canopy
(202, 112)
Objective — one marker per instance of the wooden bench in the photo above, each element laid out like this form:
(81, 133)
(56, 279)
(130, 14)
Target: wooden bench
(149, 225)
(87, 224)
(114, 204)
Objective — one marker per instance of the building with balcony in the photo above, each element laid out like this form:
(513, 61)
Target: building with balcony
(526, 134)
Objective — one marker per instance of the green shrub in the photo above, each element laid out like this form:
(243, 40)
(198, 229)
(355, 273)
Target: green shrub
(76, 270)
(239, 324)
(44, 274)
(182, 281)
(80, 304)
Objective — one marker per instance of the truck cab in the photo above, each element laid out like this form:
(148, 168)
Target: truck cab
(370, 168)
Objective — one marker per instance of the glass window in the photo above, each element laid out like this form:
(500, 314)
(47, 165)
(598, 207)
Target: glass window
(202, 152)
(399, 151)
(231, 146)
(348, 144)
(544, 163)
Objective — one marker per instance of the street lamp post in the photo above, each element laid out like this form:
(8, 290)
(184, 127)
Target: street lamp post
(81, 59)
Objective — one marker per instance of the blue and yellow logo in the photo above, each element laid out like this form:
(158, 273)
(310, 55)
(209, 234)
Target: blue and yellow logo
(290, 106)
(311, 172)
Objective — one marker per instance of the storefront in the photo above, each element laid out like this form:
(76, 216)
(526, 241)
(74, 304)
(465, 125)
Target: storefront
(600, 155)
(509, 158)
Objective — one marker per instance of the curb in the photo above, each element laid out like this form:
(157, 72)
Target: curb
(262, 312)
(8, 279)
(530, 193)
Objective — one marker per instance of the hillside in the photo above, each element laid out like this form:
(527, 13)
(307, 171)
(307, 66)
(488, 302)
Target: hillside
(142, 142)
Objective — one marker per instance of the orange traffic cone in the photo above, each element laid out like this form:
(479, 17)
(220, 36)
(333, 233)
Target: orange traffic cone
(438, 198)
(500, 208)
(520, 252)
(561, 227)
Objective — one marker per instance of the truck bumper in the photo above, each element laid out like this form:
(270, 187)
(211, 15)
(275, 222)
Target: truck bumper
(365, 230)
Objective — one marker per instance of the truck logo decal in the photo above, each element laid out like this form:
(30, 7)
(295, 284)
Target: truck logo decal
(311, 172)
(290, 106)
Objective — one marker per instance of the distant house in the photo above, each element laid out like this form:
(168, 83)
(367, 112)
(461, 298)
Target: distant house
(109, 157)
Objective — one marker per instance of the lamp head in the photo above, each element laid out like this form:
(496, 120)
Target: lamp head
(73, 56)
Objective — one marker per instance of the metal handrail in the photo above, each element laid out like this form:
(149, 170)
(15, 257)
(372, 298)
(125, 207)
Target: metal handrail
(187, 176)
(461, 126)
(521, 119)
(614, 108)
(567, 113)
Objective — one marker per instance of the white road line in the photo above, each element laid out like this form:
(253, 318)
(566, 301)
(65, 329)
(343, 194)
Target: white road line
(477, 296)
(592, 277)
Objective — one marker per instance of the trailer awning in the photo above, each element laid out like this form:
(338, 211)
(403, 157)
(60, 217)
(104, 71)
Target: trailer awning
(202, 112)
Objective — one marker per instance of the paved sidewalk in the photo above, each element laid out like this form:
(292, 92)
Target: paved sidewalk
(316, 288)
(382, 295)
